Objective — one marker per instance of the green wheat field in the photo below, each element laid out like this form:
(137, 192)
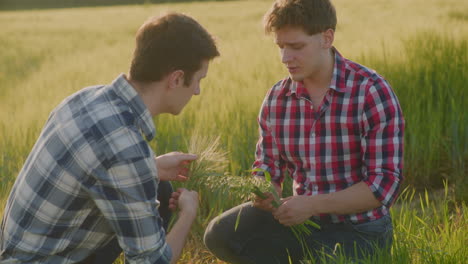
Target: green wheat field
(419, 46)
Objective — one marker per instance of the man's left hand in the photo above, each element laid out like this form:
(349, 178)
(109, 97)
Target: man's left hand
(294, 210)
(173, 166)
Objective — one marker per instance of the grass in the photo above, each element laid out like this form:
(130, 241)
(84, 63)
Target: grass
(429, 226)
(420, 46)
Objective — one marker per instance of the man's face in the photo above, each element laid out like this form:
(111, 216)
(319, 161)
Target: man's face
(301, 53)
(183, 93)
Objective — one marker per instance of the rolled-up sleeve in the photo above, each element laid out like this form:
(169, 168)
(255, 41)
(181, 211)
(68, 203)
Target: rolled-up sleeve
(267, 156)
(382, 147)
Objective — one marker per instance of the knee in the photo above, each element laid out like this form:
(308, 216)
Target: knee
(214, 235)
(221, 239)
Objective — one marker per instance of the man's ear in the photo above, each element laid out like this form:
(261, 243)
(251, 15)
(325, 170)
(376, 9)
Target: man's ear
(176, 78)
(328, 37)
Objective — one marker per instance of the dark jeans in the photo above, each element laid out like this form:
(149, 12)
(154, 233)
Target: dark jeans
(112, 250)
(261, 239)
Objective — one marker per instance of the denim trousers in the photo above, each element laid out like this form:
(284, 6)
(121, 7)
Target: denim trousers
(112, 250)
(261, 239)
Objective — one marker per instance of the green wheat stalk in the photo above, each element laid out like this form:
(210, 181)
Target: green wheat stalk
(260, 192)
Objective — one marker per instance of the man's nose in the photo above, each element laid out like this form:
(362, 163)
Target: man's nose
(286, 56)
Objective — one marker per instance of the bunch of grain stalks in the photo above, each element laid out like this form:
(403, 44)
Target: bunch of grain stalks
(220, 191)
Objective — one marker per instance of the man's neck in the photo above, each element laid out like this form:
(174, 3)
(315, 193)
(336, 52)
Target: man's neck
(317, 84)
(148, 93)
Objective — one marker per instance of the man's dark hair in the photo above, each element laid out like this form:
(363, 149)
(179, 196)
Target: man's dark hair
(170, 42)
(313, 16)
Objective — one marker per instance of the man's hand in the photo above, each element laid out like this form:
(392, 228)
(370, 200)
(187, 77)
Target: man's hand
(173, 166)
(295, 210)
(174, 200)
(185, 200)
(267, 203)
(264, 204)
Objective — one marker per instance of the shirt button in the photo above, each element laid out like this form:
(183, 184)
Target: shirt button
(313, 134)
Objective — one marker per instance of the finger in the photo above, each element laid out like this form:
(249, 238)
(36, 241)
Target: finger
(181, 190)
(279, 213)
(276, 215)
(284, 220)
(257, 199)
(194, 194)
(268, 205)
(187, 157)
(255, 203)
(186, 162)
(180, 178)
(183, 170)
(260, 199)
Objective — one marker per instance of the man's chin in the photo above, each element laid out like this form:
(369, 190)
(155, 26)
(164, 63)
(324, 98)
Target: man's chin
(296, 78)
(176, 112)
(173, 111)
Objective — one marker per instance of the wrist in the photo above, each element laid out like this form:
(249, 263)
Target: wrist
(189, 213)
(318, 204)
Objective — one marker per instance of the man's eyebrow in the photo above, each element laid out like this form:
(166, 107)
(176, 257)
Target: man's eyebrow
(290, 42)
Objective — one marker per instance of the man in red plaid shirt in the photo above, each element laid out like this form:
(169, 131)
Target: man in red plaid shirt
(336, 128)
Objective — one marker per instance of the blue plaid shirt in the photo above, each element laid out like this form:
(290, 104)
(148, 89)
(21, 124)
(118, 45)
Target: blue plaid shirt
(90, 176)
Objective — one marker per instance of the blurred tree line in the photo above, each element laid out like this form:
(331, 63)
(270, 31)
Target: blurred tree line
(39, 4)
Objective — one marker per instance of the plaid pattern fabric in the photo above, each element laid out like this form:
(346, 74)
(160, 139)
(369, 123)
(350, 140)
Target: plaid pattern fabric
(355, 135)
(90, 176)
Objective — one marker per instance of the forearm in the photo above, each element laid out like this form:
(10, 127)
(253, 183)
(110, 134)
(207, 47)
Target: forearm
(355, 199)
(178, 235)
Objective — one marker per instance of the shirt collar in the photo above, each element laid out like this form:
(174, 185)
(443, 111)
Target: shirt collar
(337, 83)
(128, 94)
(296, 88)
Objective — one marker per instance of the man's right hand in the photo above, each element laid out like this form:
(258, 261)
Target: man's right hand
(264, 204)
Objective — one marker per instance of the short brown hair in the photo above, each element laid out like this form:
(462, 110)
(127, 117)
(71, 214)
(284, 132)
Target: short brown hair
(170, 42)
(313, 16)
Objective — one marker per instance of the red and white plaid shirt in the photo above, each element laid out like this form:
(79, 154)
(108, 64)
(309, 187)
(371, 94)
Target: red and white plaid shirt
(355, 135)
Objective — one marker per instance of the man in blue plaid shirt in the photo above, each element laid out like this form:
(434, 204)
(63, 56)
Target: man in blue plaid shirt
(89, 188)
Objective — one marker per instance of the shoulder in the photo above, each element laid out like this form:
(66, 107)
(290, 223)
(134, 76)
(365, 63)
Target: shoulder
(278, 90)
(104, 122)
(361, 72)
(366, 80)
(95, 107)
